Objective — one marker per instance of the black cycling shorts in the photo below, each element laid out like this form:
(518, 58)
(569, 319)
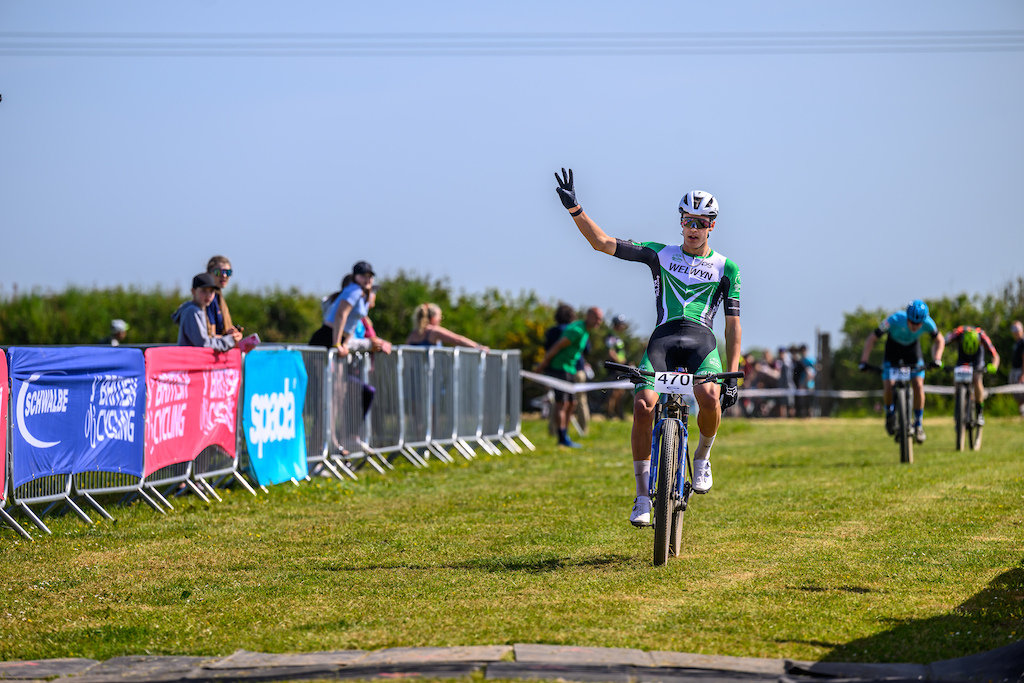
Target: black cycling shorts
(910, 354)
(682, 344)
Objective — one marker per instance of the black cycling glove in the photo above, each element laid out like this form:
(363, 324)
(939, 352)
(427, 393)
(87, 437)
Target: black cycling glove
(565, 190)
(730, 392)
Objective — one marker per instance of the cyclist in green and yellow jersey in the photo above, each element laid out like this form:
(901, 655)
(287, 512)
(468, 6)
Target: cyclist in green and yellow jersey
(691, 281)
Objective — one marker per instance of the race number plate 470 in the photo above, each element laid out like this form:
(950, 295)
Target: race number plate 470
(899, 374)
(673, 383)
(963, 373)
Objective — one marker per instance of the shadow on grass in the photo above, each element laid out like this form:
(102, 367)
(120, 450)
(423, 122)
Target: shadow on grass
(990, 619)
(528, 564)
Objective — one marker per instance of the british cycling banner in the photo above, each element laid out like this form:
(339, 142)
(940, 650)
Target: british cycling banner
(275, 394)
(191, 403)
(76, 410)
(4, 395)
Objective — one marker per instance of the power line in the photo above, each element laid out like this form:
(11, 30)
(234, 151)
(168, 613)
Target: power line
(106, 44)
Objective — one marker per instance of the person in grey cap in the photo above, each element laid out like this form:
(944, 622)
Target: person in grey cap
(193, 327)
(118, 331)
(344, 310)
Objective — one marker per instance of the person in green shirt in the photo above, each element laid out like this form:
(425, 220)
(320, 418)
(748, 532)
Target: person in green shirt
(691, 282)
(560, 362)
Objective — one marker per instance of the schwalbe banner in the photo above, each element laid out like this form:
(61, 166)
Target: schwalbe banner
(275, 395)
(76, 410)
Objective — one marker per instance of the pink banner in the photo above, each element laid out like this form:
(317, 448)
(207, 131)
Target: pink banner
(191, 403)
(4, 396)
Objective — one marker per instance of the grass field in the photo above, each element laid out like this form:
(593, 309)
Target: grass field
(815, 543)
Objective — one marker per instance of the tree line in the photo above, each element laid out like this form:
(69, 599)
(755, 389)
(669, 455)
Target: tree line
(497, 319)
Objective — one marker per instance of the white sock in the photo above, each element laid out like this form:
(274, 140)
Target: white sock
(642, 473)
(703, 450)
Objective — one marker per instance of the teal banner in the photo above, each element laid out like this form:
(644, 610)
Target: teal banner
(275, 394)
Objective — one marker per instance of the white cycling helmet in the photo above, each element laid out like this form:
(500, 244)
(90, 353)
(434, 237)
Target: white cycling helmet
(699, 203)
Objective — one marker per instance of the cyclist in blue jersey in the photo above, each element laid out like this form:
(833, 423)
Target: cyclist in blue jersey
(904, 344)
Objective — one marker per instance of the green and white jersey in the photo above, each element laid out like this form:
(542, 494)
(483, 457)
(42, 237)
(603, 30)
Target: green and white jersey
(686, 287)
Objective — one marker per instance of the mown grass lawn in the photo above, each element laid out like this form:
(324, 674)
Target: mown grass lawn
(815, 543)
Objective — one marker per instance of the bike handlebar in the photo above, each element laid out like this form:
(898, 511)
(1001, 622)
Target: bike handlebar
(636, 375)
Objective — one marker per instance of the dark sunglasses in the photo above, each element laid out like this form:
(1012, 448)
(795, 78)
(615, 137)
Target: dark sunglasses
(692, 222)
(221, 271)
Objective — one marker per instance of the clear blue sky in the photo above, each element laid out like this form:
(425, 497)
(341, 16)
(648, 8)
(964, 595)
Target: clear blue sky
(859, 178)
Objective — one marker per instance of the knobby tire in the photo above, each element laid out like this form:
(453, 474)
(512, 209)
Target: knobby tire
(973, 428)
(676, 539)
(664, 504)
(905, 427)
(960, 412)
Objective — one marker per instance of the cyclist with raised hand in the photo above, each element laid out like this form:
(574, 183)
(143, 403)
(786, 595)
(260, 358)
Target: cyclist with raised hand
(971, 351)
(904, 344)
(690, 283)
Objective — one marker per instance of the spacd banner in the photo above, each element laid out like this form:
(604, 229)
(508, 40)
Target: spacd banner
(275, 395)
(76, 410)
(191, 403)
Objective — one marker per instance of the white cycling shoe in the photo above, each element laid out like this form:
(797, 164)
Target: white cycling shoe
(702, 476)
(641, 514)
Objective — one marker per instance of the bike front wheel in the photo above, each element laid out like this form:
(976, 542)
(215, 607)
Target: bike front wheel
(903, 409)
(664, 503)
(676, 539)
(960, 413)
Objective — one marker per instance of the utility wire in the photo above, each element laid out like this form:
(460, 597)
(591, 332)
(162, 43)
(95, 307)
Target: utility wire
(105, 44)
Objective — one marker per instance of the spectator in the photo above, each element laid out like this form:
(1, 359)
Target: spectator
(344, 310)
(750, 381)
(194, 329)
(1017, 362)
(805, 374)
(219, 267)
(118, 331)
(427, 330)
(617, 354)
(787, 381)
(564, 314)
(561, 361)
(365, 338)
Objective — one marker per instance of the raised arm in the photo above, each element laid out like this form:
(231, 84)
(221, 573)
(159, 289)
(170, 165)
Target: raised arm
(597, 237)
(448, 337)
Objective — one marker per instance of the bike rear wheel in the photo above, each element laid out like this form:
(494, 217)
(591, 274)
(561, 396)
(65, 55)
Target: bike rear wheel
(905, 429)
(664, 503)
(960, 414)
(973, 428)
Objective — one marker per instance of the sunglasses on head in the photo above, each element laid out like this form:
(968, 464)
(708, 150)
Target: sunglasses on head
(226, 272)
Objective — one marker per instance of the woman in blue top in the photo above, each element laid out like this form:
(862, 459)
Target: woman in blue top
(346, 310)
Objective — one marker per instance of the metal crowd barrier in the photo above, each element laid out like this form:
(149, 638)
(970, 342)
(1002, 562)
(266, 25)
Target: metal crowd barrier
(514, 400)
(5, 486)
(444, 390)
(424, 402)
(316, 414)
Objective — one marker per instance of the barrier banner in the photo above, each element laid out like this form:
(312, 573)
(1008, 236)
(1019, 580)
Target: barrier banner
(3, 425)
(76, 410)
(275, 395)
(191, 403)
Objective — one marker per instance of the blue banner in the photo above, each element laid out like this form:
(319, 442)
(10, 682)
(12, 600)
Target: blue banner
(275, 395)
(76, 410)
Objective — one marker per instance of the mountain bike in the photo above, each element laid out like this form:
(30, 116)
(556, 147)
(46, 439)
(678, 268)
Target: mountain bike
(671, 470)
(964, 412)
(903, 397)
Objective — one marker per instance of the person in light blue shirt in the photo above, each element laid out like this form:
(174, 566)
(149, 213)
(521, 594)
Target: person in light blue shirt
(903, 347)
(343, 311)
